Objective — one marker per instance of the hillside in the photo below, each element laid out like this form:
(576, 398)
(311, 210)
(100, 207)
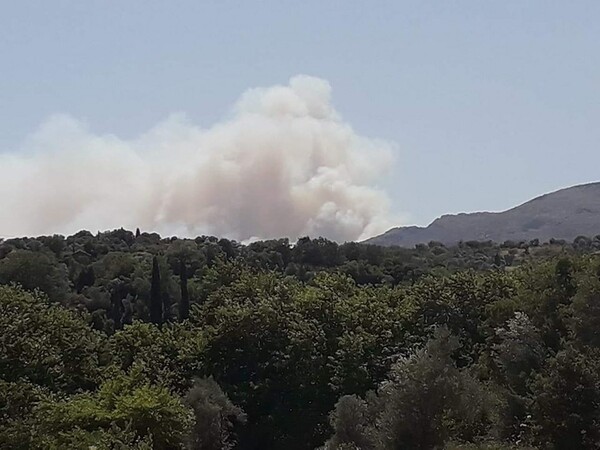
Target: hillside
(130, 340)
(564, 214)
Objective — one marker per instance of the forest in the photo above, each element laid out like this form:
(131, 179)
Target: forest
(127, 340)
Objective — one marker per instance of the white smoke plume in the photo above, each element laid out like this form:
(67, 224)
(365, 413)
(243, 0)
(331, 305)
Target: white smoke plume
(284, 164)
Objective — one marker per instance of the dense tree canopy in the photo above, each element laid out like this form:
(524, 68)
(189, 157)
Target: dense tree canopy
(124, 340)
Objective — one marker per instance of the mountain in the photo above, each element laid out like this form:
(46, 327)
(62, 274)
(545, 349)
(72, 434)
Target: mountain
(564, 214)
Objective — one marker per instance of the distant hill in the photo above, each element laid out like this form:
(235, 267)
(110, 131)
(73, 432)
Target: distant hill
(564, 214)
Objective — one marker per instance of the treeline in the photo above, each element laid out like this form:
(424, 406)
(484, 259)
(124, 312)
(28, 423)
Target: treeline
(124, 340)
(110, 274)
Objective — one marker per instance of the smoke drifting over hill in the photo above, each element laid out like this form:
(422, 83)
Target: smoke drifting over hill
(284, 164)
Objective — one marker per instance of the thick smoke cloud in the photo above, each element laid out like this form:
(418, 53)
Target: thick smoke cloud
(284, 164)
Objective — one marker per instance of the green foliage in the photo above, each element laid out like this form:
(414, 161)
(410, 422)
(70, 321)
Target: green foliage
(170, 355)
(518, 353)
(35, 270)
(127, 402)
(566, 401)
(214, 415)
(113, 438)
(426, 401)
(46, 344)
(17, 401)
(284, 352)
(584, 317)
(156, 298)
(272, 345)
(351, 421)
(184, 303)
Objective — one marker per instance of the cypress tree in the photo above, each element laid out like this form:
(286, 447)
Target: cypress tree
(184, 304)
(156, 307)
(127, 317)
(137, 233)
(86, 278)
(166, 307)
(116, 302)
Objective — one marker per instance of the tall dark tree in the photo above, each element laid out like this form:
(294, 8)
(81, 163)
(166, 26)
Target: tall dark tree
(117, 293)
(166, 306)
(86, 278)
(127, 317)
(137, 233)
(184, 304)
(156, 304)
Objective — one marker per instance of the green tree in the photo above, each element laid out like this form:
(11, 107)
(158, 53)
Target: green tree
(584, 314)
(426, 402)
(35, 270)
(352, 423)
(127, 402)
(184, 302)
(17, 401)
(156, 300)
(47, 344)
(170, 356)
(215, 416)
(566, 402)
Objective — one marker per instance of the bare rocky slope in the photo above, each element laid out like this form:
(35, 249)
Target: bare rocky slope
(564, 214)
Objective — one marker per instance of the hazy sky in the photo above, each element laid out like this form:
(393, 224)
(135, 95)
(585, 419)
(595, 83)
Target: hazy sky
(484, 104)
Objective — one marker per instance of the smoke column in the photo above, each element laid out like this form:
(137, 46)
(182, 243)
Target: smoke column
(284, 164)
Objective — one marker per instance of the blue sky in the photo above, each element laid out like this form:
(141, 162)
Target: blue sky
(487, 103)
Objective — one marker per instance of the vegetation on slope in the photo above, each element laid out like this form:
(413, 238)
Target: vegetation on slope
(121, 341)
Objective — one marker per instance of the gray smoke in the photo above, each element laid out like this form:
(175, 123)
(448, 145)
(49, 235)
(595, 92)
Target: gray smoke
(285, 164)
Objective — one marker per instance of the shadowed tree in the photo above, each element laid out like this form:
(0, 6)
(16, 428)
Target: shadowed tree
(184, 304)
(35, 270)
(215, 416)
(426, 403)
(156, 303)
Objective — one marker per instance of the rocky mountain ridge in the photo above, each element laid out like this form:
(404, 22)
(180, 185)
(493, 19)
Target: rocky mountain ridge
(563, 214)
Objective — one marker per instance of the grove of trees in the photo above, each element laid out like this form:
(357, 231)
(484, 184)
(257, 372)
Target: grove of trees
(125, 340)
